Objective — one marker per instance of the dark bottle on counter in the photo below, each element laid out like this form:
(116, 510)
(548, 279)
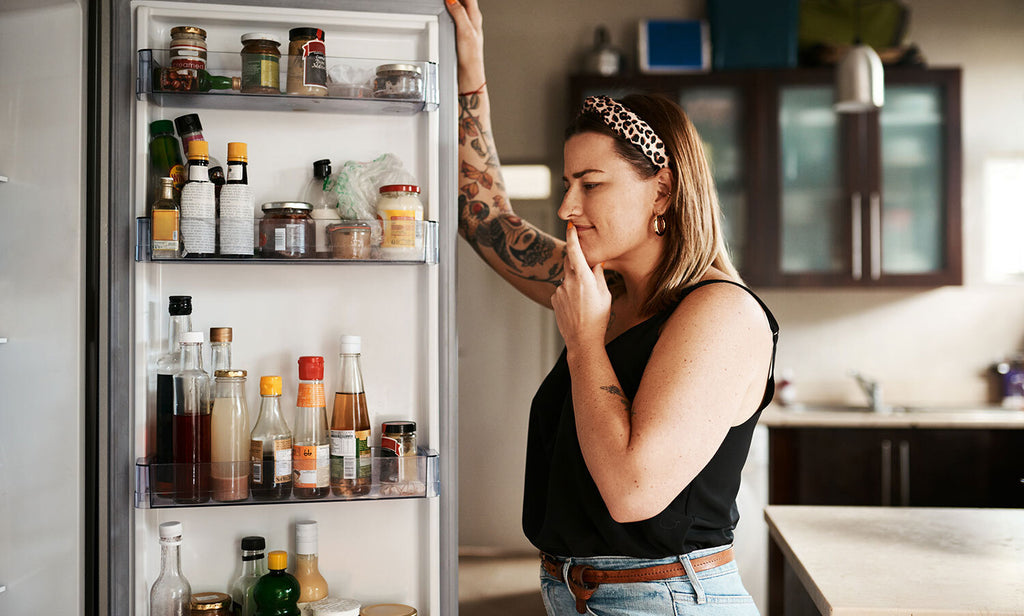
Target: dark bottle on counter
(350, 426)
(192, 444)
(165, 223)
(254, 566)
(192, 80)
(164, 158)
(311, 450)
(277, 592)
(270, 447)
(179, 308)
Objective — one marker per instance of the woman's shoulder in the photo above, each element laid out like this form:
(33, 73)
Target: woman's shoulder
(718, 300)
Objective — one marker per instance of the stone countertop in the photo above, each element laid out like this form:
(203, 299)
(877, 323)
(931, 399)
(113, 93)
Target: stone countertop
(873, 561)
(810, 416)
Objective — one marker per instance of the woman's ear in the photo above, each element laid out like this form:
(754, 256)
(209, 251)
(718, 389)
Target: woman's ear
(665, 182)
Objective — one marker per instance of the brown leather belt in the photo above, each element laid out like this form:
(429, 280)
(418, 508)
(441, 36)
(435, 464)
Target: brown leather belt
(584, 579)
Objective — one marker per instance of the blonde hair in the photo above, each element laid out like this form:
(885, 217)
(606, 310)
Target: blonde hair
(694, 241)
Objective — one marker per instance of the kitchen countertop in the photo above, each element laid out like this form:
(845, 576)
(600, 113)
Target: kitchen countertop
(776, 416)
(874, 561)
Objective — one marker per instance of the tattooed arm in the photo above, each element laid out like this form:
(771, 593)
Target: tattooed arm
(521, 253)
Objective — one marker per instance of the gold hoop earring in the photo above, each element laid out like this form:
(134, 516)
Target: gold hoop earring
(659, 225)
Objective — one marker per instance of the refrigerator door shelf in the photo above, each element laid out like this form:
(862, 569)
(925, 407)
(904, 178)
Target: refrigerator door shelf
(423, 482)
(428, 253)
(360, 98)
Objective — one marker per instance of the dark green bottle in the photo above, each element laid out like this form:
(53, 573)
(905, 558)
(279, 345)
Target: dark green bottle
(277, 592)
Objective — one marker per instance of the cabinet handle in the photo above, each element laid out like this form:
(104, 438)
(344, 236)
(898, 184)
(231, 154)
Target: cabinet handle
(886, 473)
(858, 242)
(875, 216)
(904, 473)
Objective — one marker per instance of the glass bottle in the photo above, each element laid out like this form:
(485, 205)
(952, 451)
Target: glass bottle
(312, 585)
(311, 451)
(198, 205)
(192, 80)
(179, 307)
(277, 592)
(229, 472)
(270, 448)
(171, 593)
(220, 348)
(165, 158)
(237, 206)
(191, 423)
(191, 129)
(164, 214)
(254, 566)
(325, 205)
(350, 426)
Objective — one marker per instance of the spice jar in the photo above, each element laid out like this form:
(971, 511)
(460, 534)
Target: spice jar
(287, 230)
(261, 63)
(349, 240)
(401, 212)
(398, 451)
(307, 62)
(211, 604)
(398, 81)
(188, 47)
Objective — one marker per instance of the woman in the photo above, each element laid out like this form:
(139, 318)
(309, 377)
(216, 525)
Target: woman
(638, 435)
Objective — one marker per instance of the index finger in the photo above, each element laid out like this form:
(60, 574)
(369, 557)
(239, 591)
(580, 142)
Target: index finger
(573, 251)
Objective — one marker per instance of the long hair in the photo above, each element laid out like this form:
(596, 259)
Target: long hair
(694, 241)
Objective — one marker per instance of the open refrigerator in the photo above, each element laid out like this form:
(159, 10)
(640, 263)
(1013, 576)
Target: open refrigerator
(375, 549)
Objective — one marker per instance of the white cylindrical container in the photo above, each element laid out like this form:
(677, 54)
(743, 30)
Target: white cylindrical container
(401, 214)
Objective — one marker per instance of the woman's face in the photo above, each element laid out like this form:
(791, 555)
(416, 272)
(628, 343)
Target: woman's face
(610, 205)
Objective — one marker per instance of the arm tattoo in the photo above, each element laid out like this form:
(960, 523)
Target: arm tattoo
(615, 391)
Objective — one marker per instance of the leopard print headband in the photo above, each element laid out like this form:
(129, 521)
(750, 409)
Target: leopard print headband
(629, 126)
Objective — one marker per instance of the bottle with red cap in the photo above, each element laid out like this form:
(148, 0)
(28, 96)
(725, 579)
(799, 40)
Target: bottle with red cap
(311, 451)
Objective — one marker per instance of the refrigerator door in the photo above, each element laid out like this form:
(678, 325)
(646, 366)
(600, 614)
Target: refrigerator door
(375, 550)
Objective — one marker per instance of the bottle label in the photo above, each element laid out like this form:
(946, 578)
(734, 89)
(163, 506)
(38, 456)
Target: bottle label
(363, 454)
(198, 173)
(236, 237)
(390, 446)
(256, 457)
(198, 222)
(311, 395)
(314, 65)
(312, 464)
(177, 173)
(164, 231)
(283, 460)
(261, 71)
(343, 443)
(400, 228)
(236, 200)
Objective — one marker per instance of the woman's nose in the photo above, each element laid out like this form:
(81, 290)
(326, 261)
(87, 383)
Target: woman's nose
(569, 205)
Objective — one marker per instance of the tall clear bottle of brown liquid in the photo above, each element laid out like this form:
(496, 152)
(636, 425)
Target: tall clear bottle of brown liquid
(350, 426)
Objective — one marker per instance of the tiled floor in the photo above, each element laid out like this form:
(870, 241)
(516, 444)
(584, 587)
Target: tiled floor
(499, 585)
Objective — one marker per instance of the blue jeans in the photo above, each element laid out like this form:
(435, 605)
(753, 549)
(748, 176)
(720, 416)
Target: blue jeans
(712, 592)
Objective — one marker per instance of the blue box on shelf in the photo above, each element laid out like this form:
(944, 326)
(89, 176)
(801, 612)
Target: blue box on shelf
(674, 45)
(753, 33)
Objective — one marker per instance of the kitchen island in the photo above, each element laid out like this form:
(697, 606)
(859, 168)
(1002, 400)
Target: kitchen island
(924, 561)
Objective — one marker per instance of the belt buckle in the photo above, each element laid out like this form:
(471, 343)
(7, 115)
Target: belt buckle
(580, 590)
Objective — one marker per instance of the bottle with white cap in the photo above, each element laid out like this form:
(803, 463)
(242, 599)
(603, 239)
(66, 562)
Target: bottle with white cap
(350, 426)
(312, 585)
(171, 593)
(191, 423)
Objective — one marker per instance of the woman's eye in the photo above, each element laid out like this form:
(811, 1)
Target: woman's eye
(590, 186)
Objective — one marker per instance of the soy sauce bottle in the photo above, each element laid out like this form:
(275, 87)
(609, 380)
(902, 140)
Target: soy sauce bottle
(270, 447)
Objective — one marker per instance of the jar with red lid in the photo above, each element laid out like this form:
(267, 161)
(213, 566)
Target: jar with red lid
(401, 214)
(287, 230)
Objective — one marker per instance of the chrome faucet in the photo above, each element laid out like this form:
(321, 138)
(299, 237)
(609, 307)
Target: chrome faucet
(873, 390)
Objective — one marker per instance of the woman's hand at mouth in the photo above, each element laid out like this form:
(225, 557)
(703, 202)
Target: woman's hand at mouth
(582, 303)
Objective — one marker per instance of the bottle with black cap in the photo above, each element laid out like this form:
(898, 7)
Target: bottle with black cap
(179, 308)
(191, 129)
(254, 566)
(325, 205)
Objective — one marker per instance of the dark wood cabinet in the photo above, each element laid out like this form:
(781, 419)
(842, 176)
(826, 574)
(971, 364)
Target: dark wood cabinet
(814, 198)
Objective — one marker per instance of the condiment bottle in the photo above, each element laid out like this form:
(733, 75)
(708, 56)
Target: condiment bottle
(237, 206)
(179, 307)
(270, 448)
(312, 585)
(254, 566)
(311, 451)
(307, 62)
(400, 211)
(192, 80)
(325, 205)
(277, 592)
(350, 426)
(191, 423)
(261, 63)
(188, 47)
(230, 438)
(171, 593)
(165, 157)
(198, 205)
(220, 348)
(211, 604)
(164, 220)
(190, 128)
(398, 451)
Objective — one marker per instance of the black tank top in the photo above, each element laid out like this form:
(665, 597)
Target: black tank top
(563, 513)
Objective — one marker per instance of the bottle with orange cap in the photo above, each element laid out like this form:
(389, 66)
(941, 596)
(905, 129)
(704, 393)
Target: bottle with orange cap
(198, 204)
(237, 206)
(270, 446)
(277, 592)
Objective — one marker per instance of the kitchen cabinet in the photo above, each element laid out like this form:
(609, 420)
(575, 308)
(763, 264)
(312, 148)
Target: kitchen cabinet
(814, 198)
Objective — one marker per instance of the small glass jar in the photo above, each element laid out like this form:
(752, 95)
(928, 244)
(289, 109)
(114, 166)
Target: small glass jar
(350, 240)
(403, 81)
(398, 451)
(188, 47)
(401, 214)
(261, 63)
(210, 604)
(307, 62)
(287, 230)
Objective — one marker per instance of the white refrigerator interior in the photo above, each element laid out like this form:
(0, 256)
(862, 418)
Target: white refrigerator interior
(374, 551)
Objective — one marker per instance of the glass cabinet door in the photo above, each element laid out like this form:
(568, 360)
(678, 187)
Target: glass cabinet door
(912, 203)
(717, 114)
(812, 205)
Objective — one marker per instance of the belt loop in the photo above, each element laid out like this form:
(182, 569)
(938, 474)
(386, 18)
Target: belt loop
(698, 588)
